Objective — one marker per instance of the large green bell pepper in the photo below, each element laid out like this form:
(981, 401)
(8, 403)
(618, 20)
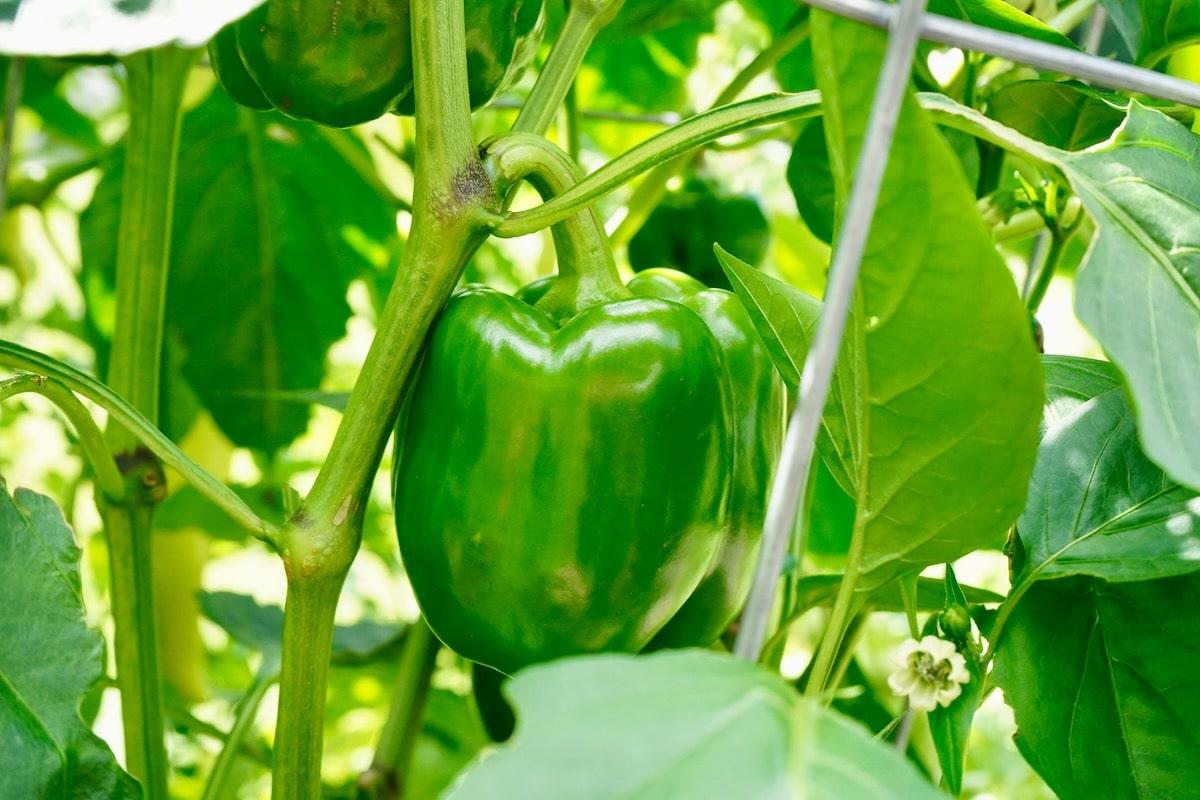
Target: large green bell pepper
(343, 62)
(561, 488)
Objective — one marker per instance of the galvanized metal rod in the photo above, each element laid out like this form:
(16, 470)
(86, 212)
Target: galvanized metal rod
(1054, 58)
(791, 477)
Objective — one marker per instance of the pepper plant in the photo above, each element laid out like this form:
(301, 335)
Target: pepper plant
(842, 442)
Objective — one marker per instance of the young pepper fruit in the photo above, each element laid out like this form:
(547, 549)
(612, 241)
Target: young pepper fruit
(344, 62)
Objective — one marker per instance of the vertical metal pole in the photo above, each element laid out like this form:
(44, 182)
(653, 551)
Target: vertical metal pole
(791, 478)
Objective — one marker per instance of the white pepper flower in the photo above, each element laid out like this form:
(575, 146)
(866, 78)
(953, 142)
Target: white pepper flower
(931, 673)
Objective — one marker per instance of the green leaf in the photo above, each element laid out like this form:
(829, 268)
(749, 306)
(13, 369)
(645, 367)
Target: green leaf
(680, 724)
(680, 232)
(1102, 678)
(1097, 506)
(75, 27)
(641, 17)
(1072, 381)
(1155, 28)
(810, 178)
(1063, 115)
(939, 392)
(49, 659)
(272, 222)
(1139, 289)
(260, 627)
(1001, 16)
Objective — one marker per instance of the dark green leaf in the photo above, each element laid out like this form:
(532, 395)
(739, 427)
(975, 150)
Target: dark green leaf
(648, 73)
(1097, 506)
(49, 660)
(1102, 678)
(680, 232)
(272, 223)
(811, 180)
(1155, 28)
(641, 17)
(680, 724)
(70, 27)
(260, 628)
(1063, 115)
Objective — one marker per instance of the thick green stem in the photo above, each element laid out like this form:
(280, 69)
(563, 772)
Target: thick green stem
(218, 786)
(587, 273)
(675, 141)
(585, 19)
(307, 642)
(650, 191)
(452, 190)
(156, 81)
(389, 769)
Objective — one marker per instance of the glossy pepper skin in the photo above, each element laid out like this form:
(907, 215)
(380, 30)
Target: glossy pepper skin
(561, 486)
(759, 412)
(344, 62)
(759, 415)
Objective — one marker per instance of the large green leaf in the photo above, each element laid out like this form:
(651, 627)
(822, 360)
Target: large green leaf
(73, 27)
(939, 392)
(1138, 290)
(1097, 506)
(1103, 680)
(272, 222)
(680, 724)
(49, 659)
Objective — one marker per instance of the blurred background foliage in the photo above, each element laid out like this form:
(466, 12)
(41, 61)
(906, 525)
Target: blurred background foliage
(286, 240)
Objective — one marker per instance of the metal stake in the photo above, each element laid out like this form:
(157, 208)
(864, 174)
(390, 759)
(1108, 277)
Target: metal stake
(791, 478)
(968, 36)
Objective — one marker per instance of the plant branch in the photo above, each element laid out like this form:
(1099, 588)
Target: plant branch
(108, 477)
(452, 191)
(586, 269)
(585, 19)
(218, 786)
(677, 140)
(386, 777)
(15, 80)
(650, 191)
(15, 356)
(155, 83)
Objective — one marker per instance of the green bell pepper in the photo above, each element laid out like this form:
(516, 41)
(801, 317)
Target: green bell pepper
(561, 488)
(344, 62)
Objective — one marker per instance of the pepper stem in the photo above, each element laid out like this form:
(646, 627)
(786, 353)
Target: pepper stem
(587, 274)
